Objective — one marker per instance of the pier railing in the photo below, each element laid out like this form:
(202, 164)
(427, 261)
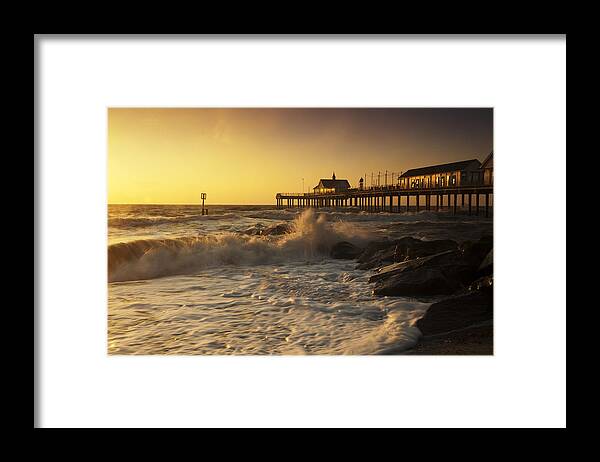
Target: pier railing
(389, 188)
(394, 198)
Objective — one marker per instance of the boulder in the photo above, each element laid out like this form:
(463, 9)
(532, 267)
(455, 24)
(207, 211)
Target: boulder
(441, 273)
(419, 281)
(408, 265)
(485, 283)
(407, 248)
(457, 312)
(374, 247)
(345, 250)
(476, 251)
(487, 265)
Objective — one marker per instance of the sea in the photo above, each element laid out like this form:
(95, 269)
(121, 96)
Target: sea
(183, 283)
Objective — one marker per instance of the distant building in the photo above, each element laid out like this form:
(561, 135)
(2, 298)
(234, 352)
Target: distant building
(332, 185)
(488, 169)
(466, 172)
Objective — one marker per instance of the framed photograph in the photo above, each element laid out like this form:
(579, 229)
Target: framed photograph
(300, 231)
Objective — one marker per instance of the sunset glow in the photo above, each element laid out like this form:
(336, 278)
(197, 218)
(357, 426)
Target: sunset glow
(246, 156)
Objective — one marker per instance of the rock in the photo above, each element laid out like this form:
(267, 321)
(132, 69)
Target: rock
(423, 248)
(374, 247)
(407, 248)
(276, 230)
(408, 265)
(485, 283)
(345, 250)
(476, 252)
(449, 272)
(457, 312)
(420, 281)
(487, 265)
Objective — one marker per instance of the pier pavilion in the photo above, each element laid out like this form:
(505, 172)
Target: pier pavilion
(332, 185)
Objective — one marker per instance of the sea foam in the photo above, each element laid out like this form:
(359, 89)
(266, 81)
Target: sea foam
(310, 238)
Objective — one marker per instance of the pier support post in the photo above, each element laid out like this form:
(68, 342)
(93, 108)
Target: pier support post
(418, 203)
(407, 203)
(454, 209)
(487, 205)
(470, 203)
(477, 204)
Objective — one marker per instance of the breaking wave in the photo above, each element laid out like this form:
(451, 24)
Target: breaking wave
(310, 237)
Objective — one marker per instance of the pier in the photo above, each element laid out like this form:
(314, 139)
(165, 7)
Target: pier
(394, 199)
(434, 188)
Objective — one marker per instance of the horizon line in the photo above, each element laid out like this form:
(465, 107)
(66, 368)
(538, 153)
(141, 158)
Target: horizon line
(175, 203)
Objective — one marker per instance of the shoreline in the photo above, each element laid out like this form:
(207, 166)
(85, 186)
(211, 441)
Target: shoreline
(461, 322)
(471, 341)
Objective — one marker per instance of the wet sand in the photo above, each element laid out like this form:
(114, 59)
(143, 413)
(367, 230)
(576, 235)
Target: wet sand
(471, 341)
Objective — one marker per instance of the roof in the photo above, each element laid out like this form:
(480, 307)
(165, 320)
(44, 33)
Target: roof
(451, 167)
(337, 184)
(488, 160)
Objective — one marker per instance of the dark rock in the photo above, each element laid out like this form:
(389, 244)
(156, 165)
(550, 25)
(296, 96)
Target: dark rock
(485, 283)
(408, 265)
(374, 247)
(276, 230)
(407, 248)
(449, 272)
(476, 252)
(457, 312)
(420, 281)
(487, 265)
(424, 248)
(345, 250)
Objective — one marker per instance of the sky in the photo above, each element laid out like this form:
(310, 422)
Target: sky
(246, 156)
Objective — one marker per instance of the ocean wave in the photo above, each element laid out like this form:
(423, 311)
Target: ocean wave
(133, 222)
(311, 237)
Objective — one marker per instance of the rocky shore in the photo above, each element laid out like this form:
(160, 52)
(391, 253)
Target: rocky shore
(461, 323)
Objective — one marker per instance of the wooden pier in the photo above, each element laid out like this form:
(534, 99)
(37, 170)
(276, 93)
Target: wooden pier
(394, 199)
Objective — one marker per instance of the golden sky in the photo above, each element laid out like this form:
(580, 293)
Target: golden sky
(246, 156)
